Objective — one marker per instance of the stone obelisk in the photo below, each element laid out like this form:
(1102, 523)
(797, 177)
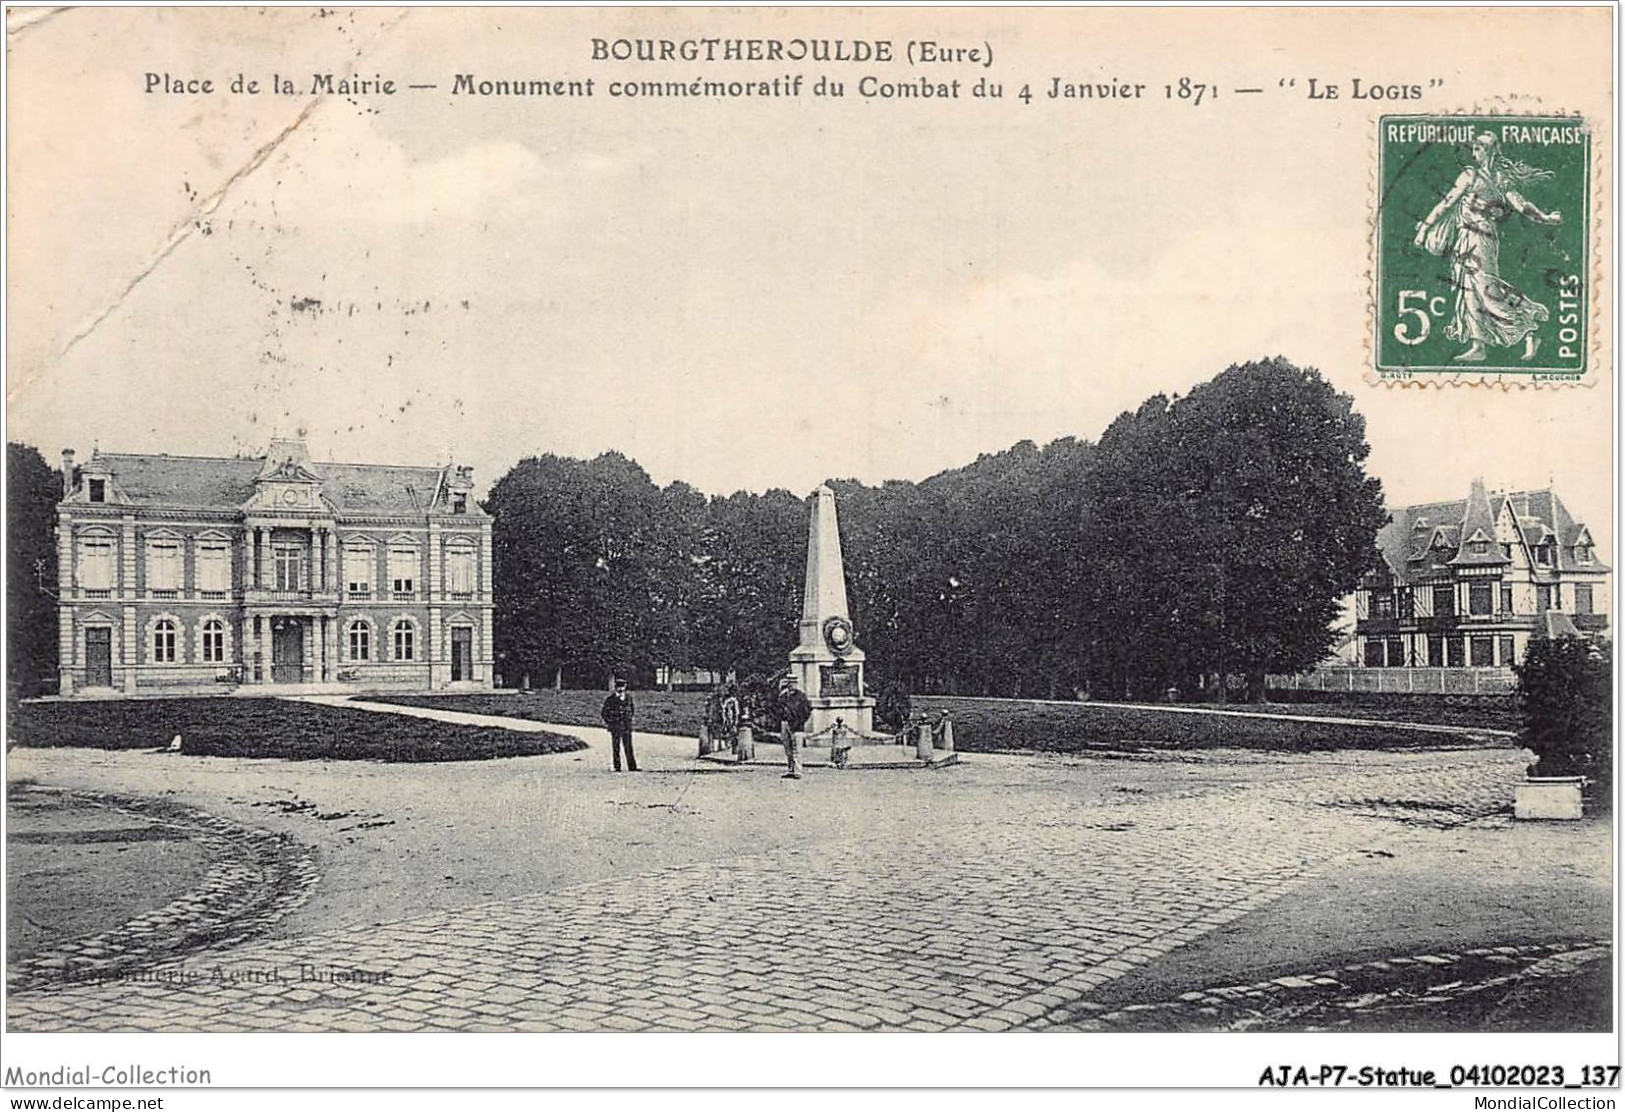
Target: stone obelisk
(827, 664)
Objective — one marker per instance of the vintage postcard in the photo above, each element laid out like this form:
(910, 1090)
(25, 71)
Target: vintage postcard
(788, 521)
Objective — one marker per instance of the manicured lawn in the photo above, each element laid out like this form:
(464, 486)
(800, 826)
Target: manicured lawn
(989, 725)
(658, 712)
(269, 728)
(998, 725)
(1489, 714)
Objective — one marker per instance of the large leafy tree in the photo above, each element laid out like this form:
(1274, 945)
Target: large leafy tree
(576, 547)
(33, 489)
(1240, 515)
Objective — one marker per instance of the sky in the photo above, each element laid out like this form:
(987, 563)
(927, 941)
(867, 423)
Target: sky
(740, 295)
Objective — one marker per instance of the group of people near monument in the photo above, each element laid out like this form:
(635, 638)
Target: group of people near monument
(724, 716)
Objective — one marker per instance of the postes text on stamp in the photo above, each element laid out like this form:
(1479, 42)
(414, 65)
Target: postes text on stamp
(1482, 247)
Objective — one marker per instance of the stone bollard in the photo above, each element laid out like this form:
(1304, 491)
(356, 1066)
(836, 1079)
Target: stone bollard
(706, 746)
(745, 747)
(947, 734)
(922, 740)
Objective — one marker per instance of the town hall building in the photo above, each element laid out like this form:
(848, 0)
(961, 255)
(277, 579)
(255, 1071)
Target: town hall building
(187, 574)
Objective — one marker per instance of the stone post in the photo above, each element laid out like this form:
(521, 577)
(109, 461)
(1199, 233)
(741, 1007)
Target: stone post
(947, 734)
(745, 747)
(922, 740)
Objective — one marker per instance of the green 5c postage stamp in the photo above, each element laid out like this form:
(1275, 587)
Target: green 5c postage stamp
(1482, 247)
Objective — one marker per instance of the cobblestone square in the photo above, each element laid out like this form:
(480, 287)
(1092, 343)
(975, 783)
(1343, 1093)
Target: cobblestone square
(995, 895)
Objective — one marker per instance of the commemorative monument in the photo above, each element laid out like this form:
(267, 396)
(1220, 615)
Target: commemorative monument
(826, 663)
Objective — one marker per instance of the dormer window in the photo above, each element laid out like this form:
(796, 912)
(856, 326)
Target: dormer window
(1478, 548)
(1582, 554)
(98, 490)
(459, 503)
(1543, 555)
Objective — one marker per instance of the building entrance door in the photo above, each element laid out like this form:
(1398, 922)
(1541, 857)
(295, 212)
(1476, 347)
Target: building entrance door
(287, 650)
(99, 657)
(462, 653)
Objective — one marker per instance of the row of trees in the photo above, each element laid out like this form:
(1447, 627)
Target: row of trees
(33, 489)
(1203, 536)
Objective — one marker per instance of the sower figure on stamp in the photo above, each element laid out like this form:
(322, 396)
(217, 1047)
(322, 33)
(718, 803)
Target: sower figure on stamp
(617, 713)
(1465, 228)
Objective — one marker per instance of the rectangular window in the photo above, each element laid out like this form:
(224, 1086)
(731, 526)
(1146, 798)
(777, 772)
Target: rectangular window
(1382, 604)
(359, 570)
(213, 568)
(1436, 652)
(459, 503)
(1457, 649)
(1444, 602)
(1584, 602)
(1543, 555)
(403, 571)
(460, 571)
(289, 563)
(1506, 598)
(98, 490)
(1509, 655)
(1582, 554)
(1483, 652)
(1407, 603)
(1396, 653)
(164, 566)
(1373, 653)
(1543, 596)
(96, 564)
(1480, 599)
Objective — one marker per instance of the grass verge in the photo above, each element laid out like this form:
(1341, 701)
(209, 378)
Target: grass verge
(1000, 725)
(269, 728)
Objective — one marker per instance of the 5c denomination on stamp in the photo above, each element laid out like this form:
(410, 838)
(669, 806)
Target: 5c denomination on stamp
(1482, 247)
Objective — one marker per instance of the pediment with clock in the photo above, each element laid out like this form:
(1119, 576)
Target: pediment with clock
(288, 482)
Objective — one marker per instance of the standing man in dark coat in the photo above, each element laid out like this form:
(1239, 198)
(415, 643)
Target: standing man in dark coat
(618, 717)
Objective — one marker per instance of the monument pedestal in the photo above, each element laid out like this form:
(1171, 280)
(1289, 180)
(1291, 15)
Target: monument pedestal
(834, 686)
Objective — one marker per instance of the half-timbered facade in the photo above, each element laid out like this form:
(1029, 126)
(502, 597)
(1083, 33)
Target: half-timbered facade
(186, 573)
(1467, 584)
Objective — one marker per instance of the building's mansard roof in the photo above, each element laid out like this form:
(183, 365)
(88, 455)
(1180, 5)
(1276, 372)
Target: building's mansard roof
(228, 484)
(1427, 541)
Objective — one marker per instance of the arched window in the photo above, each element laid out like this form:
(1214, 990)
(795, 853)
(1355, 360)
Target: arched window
(403, 638)
(360, 640)
(163, 641)
(213, 641)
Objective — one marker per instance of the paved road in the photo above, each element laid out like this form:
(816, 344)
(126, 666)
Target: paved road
(997, 916)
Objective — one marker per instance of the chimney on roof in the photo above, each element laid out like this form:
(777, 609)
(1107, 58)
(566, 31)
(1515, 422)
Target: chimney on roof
(67, 472)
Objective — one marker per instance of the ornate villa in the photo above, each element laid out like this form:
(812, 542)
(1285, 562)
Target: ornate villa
(1468, 583)
(184, 573)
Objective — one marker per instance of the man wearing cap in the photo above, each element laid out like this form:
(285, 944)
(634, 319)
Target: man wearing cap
(618, 717)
